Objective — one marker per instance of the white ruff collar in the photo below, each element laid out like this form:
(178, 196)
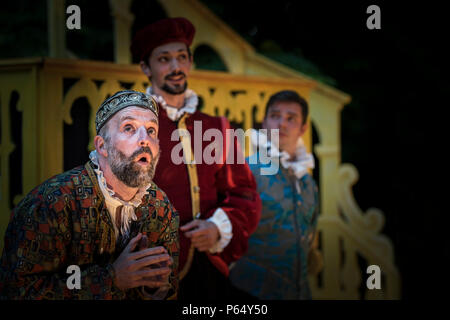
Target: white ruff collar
(113, 202)
(299, 166)
(174, 114)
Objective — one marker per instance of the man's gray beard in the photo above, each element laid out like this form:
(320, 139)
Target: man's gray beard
(179, 90)
(128, 171)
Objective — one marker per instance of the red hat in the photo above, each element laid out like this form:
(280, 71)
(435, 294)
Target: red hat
(161, 32)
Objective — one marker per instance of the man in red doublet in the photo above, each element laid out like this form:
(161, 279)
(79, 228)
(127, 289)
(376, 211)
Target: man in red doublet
(218, 204)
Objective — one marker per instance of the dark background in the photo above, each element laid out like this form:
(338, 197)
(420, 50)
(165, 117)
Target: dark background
(390, 130)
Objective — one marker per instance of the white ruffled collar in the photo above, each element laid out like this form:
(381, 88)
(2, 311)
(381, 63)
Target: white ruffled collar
(112, 202)
(299, 166)
(174, 114)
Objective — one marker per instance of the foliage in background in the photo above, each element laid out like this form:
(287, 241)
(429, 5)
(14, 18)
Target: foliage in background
(295, 60)
(23, 28)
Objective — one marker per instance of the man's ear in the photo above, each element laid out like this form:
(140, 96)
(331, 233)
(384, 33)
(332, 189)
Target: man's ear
(145, 69)
(100, 146)
(304, 128)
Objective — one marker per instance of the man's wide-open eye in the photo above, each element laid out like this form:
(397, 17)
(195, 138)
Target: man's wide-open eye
(151, 131)
(128, 128)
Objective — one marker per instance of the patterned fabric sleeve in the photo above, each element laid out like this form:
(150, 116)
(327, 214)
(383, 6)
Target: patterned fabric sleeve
(316, 212)
(169, 239)
(240, 201)
(162, 230)
(35, 256)
(317, 205)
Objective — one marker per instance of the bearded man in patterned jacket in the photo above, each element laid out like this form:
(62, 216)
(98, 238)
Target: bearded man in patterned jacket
(107, 219)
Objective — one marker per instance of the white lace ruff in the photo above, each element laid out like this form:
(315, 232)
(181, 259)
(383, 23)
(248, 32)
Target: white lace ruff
(190, 104)
(299, 166)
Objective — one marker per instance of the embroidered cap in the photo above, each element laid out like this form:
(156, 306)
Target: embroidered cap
(121, 100)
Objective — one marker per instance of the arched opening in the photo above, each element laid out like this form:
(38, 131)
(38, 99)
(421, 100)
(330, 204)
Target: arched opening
(315, 141)
(76, 135)
(16, 157)
(206, 58)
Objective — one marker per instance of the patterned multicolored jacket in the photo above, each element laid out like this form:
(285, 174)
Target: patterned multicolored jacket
(64, 222)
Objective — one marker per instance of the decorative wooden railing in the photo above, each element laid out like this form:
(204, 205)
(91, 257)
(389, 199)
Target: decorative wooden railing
(47, 122)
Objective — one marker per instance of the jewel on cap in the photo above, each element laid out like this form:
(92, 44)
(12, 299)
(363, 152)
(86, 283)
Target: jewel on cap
(121, 100)
(161, 32)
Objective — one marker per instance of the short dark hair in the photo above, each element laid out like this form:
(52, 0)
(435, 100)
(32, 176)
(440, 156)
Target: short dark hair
(289, 96)
(104, 133)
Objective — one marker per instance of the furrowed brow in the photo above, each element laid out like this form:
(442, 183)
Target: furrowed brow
(122, 119)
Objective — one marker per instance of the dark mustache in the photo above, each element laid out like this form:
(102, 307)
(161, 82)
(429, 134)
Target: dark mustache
(140, 151)
(174, 74)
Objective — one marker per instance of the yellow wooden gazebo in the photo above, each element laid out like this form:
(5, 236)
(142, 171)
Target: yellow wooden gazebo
(37, 90)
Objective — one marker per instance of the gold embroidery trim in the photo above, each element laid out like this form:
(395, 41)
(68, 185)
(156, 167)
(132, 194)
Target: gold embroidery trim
(194, 188)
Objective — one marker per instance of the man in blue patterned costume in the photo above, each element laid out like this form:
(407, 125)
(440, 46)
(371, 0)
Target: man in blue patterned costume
(276, 265)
